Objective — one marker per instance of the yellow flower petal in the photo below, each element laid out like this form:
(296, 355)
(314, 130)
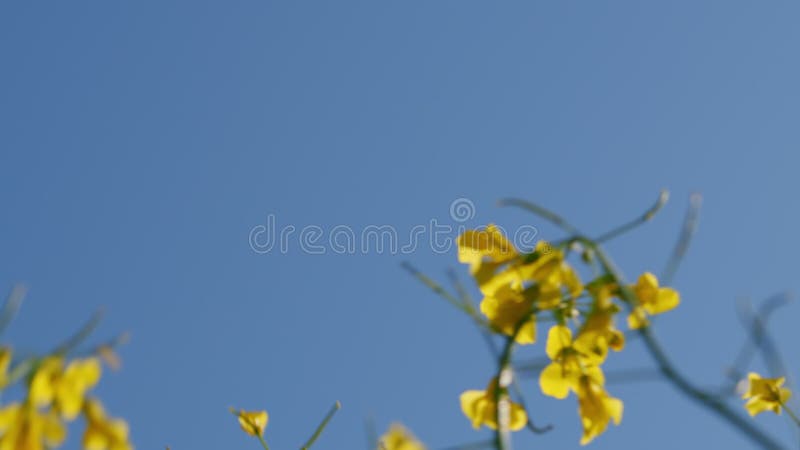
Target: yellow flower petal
(253, 422)
(558, 338)
(555, 381)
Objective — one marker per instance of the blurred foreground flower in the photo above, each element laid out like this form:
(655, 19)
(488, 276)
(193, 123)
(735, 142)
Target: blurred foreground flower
(481, 408)
(252, 422)
(653, 300)
(103, 432)
(399, 438)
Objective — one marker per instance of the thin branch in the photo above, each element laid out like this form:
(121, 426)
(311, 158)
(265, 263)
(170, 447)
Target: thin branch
(11, 305)
(540, 211)
(755, 323)
(648, 215)
(504, 377)
(372, 434)
(321, 427)
(466, 300)
(435, 287)
(84, 332)
(521, 399)
(688, 229)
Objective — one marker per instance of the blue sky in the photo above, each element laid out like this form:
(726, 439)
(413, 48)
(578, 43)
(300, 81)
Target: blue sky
(140, 142)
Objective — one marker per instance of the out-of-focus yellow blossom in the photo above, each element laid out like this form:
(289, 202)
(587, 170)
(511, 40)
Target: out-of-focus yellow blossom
(553, 272)
(598, 332)
(252, 422)
(65, 388)
(596, 408)
(23, 427)
(399, 438)
(571, 360)
(505, 309)
(765, 394)
(652, 300)
(5, 362)
(549, 270)
(481, 409)
(103, 432)
(476, 247)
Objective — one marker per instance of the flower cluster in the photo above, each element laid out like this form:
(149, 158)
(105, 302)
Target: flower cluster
(520, 290)
(57, 394)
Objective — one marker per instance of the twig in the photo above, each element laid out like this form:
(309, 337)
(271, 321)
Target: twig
(336, 407)
(684, 239)
(663, 196)
(81, 335)
(755, 323)
(540, 211)
(435, 287)
(466, 300)
(11, 305)
(521, 399)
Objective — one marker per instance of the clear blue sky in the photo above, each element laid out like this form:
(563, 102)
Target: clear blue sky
(140, 142)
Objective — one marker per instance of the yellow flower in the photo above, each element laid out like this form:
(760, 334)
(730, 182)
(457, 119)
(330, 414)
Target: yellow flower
(65, 388)
(252, 422)
(505, 309)
(596, 408)
(103, 432)
(23, 427)
(571, 360)
(399, 438)
(652, 300)
(548, 270)
(481, 408)
(598, 332)
(765, 394)
(476, 247)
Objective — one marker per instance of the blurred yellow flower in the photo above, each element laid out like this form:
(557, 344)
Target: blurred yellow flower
(596, 408)
(103, 432)
(65, 388)
(652, 300)
(765, 394)
(476, 247)
(551, 276)
(598, 332)
(571, 360)
(505, 309)
(23, 427)
(252, 422)
(399, 438)
(481, 408)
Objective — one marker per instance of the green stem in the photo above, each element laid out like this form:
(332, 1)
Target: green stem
(336, 407)
(11, 306)
(791, 414)
(663, 196)
(540, 211)
(263, 442)
(502, 437)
